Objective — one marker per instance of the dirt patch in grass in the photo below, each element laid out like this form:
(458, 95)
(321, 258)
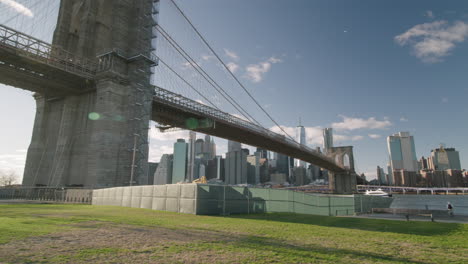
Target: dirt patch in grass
(112, 243)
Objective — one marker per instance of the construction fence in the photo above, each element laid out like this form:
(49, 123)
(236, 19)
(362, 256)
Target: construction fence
(224, 200)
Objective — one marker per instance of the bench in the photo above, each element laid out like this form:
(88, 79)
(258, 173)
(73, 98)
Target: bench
(407, 212)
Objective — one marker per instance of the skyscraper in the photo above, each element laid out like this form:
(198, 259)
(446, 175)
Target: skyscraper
(301, 139)
(179, 165)
(381, 177)
(282, 164)
(191, 156)
(215, 168)
(444, 159)
(234, 146)
(402, 153)
(263, 153)
(235, 166)
(163, 174)
(327, 139)
(213, 149)
(254, 172)
(207, 146)
(199, 144)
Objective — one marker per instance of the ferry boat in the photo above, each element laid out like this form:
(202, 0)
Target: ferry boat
(377, 192)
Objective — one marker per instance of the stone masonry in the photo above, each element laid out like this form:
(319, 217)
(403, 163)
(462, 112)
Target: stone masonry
(88, 139)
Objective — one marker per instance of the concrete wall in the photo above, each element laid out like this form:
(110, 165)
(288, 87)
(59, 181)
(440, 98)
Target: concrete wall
(180, 198)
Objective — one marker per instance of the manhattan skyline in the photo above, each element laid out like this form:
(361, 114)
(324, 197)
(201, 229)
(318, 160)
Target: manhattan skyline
(367, 69)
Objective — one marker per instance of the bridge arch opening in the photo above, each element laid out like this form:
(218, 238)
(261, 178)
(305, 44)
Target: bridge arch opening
(346, 162)
(337, 159)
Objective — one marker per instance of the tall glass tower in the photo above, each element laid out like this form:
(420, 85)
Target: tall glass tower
(179, 165)
(402, 152)
(301, 139)
(191, 156)
(327, 139)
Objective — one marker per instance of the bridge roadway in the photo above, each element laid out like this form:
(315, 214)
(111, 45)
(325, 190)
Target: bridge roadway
(34, 65)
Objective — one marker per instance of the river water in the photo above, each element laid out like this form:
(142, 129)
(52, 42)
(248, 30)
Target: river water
(433, 202)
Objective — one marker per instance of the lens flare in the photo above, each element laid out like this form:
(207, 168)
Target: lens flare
(94, 116)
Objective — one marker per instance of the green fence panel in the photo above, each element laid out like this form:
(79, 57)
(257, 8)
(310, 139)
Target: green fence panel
(209, 207)
(260, 194)
(280, 195)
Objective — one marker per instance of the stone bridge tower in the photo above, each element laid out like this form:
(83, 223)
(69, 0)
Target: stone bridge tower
(342, 182)
(98, 137)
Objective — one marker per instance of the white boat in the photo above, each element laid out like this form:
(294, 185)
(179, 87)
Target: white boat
(377, 192)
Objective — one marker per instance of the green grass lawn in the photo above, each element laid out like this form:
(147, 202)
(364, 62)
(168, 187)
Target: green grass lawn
(105, 234)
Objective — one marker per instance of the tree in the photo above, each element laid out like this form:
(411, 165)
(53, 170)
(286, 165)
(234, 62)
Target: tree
(8, 178)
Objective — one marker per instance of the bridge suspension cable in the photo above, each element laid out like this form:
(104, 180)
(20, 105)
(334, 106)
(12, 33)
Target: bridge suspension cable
(205, 75)
(186, 82)
(229, 71)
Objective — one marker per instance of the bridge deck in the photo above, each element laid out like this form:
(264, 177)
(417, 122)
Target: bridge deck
(173, 109)
(35, 65)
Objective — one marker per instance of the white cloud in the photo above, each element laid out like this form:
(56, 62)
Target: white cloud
(186, 65)
(374, 136)
(201, 102)
(350, 123)
(289, 130)
(13, 163)
(233, 67)
(155, 134)
(314, 135)
(207, 57)
(338, 139)
(13, 157)
(255, 72)
(357, 138)
(241, 117)
(157, 150)
(403, 119)
(19, 8)
(370, 175)
(231, 54)
(274, 60)
(429, 14)
(433, 41)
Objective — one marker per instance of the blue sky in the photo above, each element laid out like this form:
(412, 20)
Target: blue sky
(367, 68)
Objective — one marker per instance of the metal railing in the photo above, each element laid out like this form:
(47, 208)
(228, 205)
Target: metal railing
(178, 101)
(404, 189)
(47, 194)
(44, 52)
